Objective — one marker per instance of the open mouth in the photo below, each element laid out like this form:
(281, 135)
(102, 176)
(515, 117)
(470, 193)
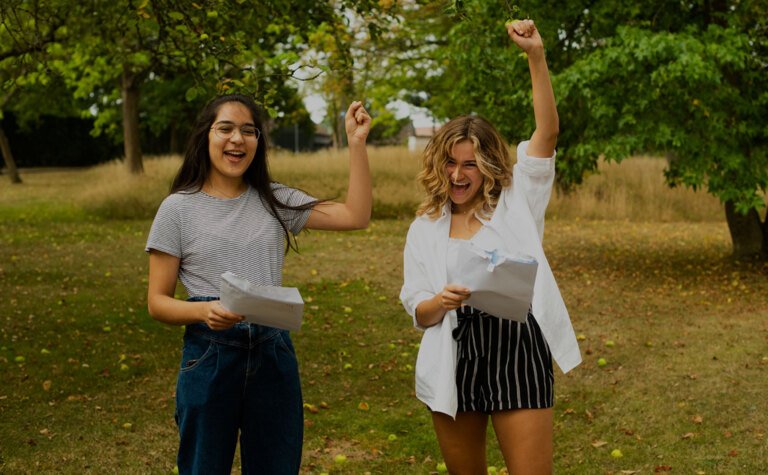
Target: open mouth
(235, 154)
(460, 187)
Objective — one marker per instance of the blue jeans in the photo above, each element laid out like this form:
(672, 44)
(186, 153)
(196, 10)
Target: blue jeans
(244, 379)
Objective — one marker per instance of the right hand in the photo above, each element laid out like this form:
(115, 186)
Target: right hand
(357, 122)
(453, 296)
(219, 318)
(525, 35)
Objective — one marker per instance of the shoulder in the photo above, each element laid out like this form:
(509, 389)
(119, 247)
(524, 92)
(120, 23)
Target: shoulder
(422, 227)
(533, 166)
(178, 204)
(423, 222)
(279, 188)
(179, 200)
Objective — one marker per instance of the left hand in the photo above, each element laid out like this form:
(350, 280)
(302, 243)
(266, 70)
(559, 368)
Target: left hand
(525, 35)
(357, 122)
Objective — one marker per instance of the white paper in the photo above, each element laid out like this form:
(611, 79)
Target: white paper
(278, 307)
(501, 283)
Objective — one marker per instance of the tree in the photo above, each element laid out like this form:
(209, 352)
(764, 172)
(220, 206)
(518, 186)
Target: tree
(22, 40)
(684, 79)
(111, 51)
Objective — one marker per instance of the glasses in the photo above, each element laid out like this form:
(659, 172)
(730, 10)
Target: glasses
(225, 131)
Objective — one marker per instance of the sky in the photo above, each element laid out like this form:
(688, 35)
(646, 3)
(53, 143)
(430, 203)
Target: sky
(316, 107)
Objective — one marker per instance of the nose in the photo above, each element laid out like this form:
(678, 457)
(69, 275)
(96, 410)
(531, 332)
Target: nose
(237, 136)
(456, 172)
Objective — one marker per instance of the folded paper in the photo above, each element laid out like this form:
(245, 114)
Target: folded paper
(501, 283)
(278, 307)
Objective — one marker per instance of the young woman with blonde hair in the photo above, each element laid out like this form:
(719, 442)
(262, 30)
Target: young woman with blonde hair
(473, 365)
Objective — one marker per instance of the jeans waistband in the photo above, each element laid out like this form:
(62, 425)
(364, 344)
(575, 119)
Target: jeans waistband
(242, 334)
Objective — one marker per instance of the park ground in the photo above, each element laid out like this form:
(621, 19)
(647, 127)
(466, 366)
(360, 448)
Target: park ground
(88, 377)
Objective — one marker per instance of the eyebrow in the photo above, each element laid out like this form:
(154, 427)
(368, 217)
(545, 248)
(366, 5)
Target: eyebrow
(232, 123)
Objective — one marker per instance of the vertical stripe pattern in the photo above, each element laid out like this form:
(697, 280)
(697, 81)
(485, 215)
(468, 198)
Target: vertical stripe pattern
(502, 364)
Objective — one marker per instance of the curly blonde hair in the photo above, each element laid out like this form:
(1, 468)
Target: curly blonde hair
(491, 155)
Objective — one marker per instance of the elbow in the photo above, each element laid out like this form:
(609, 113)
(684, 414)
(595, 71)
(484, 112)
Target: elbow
(153, 310)
(360, 222)
(363, 223)
(552, 132)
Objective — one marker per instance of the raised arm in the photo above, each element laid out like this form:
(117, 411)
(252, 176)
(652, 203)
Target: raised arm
(526, 36)
(355, 212)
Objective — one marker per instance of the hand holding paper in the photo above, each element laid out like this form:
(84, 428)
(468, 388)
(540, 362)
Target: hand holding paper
(278, 307)
(453, 296)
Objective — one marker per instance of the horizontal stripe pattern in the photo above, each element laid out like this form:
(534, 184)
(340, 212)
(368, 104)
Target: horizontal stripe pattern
(212, 236)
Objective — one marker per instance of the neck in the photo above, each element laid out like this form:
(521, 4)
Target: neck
(463, 209)
(224, 188)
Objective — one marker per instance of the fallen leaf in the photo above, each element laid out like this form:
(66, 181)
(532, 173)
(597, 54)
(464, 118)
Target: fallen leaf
(688, 435)
(599, 443)
(697, 419)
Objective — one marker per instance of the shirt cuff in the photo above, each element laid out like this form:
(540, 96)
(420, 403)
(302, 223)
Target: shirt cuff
(534, 166)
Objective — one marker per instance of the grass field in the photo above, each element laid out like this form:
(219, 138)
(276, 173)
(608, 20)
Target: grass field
(88, 377)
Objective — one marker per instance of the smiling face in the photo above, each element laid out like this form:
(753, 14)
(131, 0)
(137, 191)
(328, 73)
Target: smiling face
(465, 177)
(231, 157)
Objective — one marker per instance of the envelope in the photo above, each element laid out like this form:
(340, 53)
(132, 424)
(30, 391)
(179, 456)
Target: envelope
(501, 283)
(278, 307)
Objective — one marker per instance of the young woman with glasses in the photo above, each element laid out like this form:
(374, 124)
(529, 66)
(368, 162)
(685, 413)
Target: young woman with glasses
(225, 213)
(473, 366)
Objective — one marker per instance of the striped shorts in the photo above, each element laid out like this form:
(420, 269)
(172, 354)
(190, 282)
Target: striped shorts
(502, 364)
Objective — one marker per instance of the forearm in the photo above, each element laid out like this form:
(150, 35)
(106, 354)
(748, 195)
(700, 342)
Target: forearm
(544, 105)
(359, 193)
(172, 311)
(430, 312)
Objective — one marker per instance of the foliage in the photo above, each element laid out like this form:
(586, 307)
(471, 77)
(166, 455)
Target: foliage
(699, 96)
(173, 56)
(683, 79)
(386, 128)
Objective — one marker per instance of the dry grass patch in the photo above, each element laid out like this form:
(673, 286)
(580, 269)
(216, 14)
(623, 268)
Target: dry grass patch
(631, 191)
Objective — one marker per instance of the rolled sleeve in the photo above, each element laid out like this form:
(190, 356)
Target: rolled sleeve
(294, 219)
(165, 234)
(533, 179)
(534, 166)
(416, 287)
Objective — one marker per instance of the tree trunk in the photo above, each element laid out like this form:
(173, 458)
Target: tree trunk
(336, 133)
(131, 137)
(10, 164)
(747, 232)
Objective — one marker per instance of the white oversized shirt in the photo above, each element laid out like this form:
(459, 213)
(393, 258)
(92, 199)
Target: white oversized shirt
(518, 223)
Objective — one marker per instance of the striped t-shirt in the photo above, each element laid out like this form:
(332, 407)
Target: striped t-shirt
(212, 236)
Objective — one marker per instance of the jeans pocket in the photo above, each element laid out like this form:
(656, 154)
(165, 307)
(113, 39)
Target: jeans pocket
(196, 350)
(283, 340)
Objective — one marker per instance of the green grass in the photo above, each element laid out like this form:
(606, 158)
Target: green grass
(683, 388)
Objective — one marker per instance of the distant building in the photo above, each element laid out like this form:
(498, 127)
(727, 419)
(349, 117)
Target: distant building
(420, 136)
(323, 137)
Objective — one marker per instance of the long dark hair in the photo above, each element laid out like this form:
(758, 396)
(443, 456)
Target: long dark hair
(197, 164)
